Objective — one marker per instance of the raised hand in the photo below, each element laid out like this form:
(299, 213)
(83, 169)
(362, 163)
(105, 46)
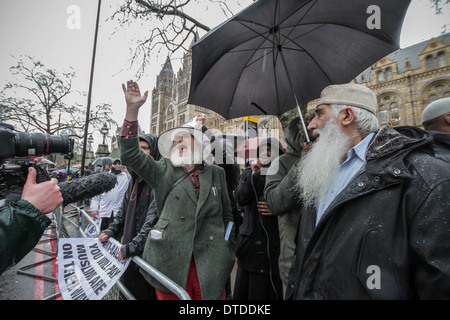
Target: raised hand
(134, 99)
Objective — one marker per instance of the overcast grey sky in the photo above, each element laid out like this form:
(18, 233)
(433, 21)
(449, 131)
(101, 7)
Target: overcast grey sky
(39, 28)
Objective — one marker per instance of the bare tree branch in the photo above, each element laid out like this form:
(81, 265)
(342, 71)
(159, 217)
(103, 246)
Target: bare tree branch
(37, 101)
(438, 5)
(171, 27)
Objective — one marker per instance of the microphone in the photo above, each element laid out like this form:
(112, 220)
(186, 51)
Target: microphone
(86, 187)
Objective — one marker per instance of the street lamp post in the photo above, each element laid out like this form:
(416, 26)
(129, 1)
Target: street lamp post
(90, 141)
(88, 109)
(90, 152)
(102, 150)
(104, 131)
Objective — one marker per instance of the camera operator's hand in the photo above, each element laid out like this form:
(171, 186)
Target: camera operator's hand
(36, 159)
(45, 196)
(134, 99)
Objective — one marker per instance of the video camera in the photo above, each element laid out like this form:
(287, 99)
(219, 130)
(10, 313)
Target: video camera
(17, 147)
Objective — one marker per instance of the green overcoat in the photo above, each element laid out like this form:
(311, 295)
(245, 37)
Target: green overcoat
(189, 227)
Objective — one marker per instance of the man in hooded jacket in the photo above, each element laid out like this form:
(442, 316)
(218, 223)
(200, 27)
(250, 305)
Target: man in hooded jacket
(375, 223)
(135, 219)
(282, 201)
(258, 242)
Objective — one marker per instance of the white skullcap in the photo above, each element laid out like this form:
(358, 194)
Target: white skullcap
(435, 109)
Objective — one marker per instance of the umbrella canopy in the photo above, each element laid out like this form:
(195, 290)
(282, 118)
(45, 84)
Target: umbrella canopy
(103, 161)
(60, 171)
(77, 166)
(277, 54)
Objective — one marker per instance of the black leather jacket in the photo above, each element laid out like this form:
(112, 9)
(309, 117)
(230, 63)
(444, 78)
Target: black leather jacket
(146, 217)
(387, 234)
(136, 219)
(441, 143)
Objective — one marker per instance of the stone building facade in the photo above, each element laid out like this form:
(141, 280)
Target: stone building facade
(169, 107)
(407, 80)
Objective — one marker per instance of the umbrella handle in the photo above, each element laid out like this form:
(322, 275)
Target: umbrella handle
(305, 131)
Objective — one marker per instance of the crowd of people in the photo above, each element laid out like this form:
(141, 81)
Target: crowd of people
(360, 212)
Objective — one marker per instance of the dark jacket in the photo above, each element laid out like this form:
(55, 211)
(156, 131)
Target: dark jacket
(21, 227)
(226, 161)
(258, 243)
(441, 143)
(135, 223)
(136, 217)
(280, 198)
(387, 234)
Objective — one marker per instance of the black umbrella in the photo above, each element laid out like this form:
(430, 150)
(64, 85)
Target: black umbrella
(103, 161)
(277, 54)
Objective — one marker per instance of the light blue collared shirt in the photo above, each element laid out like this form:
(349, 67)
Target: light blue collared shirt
(356, 159)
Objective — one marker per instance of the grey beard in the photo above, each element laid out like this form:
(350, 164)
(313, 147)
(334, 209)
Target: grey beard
(316, 170)
(187, 160)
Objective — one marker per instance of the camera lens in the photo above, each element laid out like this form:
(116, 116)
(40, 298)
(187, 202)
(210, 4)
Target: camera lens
(38, 144)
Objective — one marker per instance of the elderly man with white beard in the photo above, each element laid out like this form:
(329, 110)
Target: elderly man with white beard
(375, 222)
(188, 243)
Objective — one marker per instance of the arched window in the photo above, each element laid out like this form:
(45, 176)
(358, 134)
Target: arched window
(384, 114)
(437, 90)
(170, 112)
(395, 112)
(389, 74)
(432, 98)
(441, 59)
(429, 62)
(380, 76)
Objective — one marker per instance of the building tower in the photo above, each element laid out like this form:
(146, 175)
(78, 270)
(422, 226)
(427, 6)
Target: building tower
(162, 96)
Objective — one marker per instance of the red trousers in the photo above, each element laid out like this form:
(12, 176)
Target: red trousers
(192, 287)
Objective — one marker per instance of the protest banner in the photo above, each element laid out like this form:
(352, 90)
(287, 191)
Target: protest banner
(88, 268)
(91, 230)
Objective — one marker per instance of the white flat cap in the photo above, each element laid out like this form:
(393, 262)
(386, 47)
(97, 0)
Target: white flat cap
(349, 94)
(435, 109)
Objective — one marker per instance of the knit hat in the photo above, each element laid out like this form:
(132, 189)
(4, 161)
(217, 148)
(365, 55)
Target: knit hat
(350, 94)
(435, 109)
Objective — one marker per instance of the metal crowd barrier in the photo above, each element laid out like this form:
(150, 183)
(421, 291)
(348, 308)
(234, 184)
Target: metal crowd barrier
(160, 277)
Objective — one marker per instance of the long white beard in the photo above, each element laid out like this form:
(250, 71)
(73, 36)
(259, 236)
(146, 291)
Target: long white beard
(318, 167)
(187, 159)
